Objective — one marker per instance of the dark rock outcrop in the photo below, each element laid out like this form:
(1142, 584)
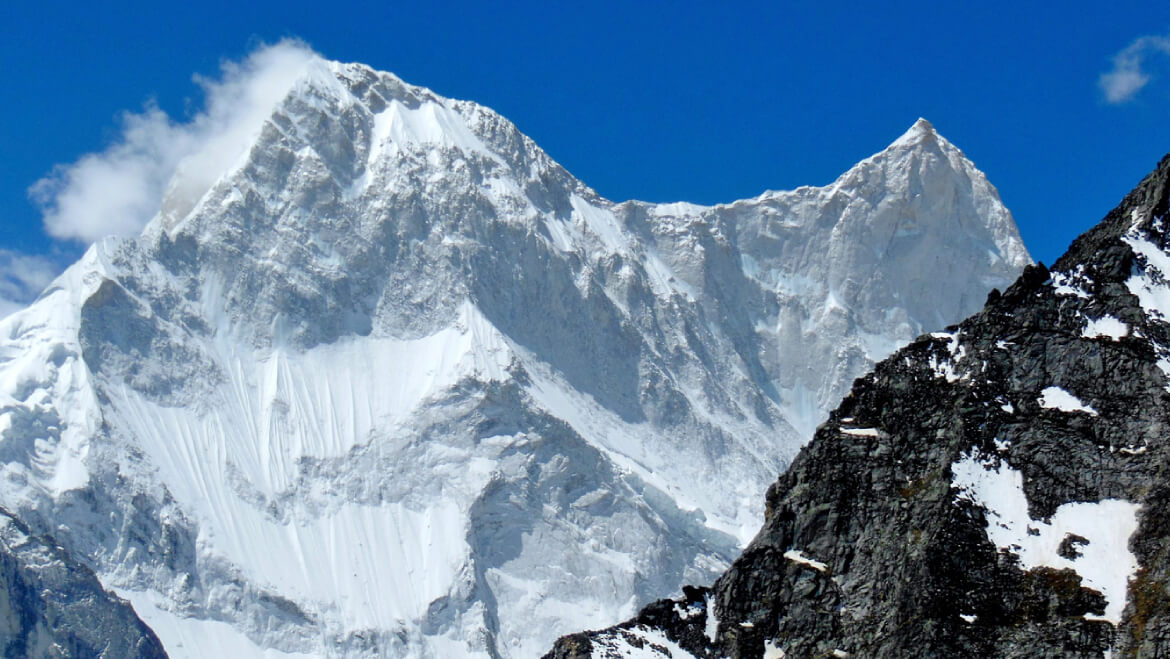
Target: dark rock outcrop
(996, 490)
(51, 606)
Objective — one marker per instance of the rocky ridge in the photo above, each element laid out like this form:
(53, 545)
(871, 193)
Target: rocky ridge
(993, 490)
(51, 606)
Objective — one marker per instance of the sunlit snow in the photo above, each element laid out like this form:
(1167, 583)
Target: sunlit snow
(638, 643)
(1058, 399)
(1105, 563)
(1106, 326)
(798, 557)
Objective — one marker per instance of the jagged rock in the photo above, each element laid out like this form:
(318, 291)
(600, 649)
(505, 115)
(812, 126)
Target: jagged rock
(995, 490)
(51, 606)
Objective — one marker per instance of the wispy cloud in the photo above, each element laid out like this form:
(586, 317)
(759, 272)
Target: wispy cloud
(117, 191)
(22, 278)
(1129, 74)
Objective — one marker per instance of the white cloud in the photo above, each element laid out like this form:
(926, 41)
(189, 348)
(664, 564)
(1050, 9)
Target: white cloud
(22, 278)
(1122, 84)
(1128, 75)
(117, 191)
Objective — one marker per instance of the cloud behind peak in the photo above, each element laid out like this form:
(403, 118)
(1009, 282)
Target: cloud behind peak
(118, 190)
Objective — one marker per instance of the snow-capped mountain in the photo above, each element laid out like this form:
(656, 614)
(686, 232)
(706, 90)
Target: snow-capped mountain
(397, 384)
(994, 490)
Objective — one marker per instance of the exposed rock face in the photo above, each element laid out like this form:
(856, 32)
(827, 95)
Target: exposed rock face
(51, 606)
(995, 490)
(397, 384)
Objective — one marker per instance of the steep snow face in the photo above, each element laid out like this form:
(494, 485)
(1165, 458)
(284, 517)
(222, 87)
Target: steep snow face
(909, 240)
(397, 384)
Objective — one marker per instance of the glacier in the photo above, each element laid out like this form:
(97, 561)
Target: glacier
(398, 384)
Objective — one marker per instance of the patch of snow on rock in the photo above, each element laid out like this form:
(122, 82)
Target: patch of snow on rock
(688, 612)
(1059, 399)
(796, 556)
(1105, 326)
(772, 651)
(638, 643)
(862, 432)
(711, 628)
(1104, 563)
(1149, 284)
(1065, 285)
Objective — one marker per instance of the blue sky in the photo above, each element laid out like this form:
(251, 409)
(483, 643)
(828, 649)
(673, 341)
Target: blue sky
(656, 101)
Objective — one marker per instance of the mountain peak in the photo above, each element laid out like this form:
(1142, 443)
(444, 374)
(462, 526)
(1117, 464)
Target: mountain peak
(921, 133)
(922, 126)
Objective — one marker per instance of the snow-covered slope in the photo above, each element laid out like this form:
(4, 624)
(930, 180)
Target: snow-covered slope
(397, 384)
